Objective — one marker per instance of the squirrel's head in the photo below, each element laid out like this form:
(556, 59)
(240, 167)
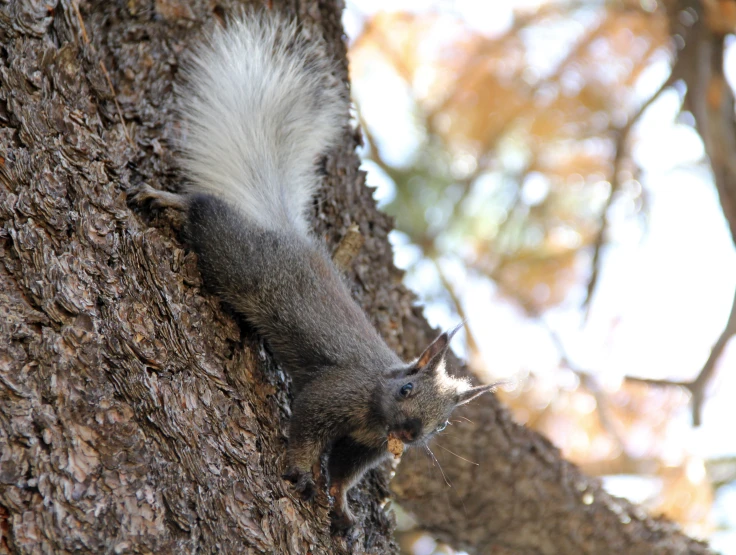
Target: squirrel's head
(420, 396)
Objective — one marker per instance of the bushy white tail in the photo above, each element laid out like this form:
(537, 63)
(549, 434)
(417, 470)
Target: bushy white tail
(261, 105)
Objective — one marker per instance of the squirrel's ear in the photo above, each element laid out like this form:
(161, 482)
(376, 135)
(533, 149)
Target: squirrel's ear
(433, 355)
(470, 394)
(435, 351)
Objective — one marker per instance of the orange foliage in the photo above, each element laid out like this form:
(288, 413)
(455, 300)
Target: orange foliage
(491, 99)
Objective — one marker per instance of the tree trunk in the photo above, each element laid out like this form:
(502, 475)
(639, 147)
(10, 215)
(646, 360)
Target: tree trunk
(138, 416)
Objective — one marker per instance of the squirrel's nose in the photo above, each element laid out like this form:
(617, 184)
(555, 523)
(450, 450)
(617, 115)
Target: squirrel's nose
(410, 431)
(407, 436)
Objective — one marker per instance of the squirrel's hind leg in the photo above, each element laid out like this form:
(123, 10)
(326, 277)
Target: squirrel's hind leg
(343, 518)
(349, 460)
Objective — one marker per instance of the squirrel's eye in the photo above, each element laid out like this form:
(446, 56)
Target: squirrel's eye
(405, 390)
(442, 426)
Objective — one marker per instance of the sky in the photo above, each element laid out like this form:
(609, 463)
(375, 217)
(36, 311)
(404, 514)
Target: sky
(668, 284)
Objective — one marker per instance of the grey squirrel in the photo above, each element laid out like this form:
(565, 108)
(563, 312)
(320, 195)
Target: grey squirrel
(261, 106)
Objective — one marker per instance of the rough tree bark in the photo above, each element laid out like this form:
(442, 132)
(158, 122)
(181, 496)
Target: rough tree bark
(136, 415)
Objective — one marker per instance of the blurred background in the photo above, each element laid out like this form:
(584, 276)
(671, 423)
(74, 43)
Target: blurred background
(552, 186)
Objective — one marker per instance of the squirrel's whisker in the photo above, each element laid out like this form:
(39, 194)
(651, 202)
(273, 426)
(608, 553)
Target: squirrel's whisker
(438, 466)
(458, 456)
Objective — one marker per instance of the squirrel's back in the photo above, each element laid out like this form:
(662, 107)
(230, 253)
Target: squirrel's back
(261, 106)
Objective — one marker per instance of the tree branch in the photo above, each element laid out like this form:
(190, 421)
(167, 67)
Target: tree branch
(622, 135)
(698, 386)
(710, 99)
(470, 340)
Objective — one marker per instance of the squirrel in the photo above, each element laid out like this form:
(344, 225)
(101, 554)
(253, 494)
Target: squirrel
(260, 107)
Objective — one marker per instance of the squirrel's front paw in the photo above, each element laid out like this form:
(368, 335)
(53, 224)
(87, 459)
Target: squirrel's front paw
(303, 482)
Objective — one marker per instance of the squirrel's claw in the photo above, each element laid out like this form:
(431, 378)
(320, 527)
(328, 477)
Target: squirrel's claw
(140, 194)
(343, 520)
(303, 483)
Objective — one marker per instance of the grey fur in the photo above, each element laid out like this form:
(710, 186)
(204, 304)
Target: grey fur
(261, 107)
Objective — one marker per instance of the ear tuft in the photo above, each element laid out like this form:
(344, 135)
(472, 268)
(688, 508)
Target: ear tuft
(456, 329)
(470, 394)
